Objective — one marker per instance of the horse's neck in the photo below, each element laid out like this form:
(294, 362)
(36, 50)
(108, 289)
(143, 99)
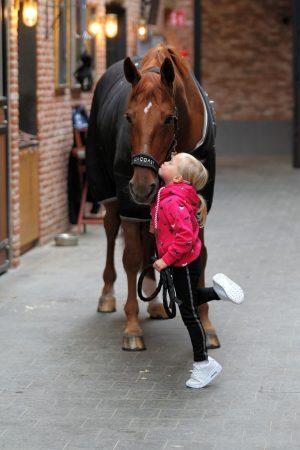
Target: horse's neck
(188, 102)
(191, 115)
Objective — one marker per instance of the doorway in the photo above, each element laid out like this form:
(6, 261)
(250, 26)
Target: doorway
(28, 144)
(116, 47)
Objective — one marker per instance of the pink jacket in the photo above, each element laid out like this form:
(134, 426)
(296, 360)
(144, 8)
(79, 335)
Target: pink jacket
(176, 227)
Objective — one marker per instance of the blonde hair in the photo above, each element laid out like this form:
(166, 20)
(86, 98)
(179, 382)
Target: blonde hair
(195, 173)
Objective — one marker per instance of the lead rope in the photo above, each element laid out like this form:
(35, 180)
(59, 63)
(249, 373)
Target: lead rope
(166, 283)
(165, 280)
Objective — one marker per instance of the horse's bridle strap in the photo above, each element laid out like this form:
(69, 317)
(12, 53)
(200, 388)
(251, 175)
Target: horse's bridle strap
(145, 160)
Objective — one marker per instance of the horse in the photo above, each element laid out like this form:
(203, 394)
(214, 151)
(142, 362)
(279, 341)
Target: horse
(144, 109)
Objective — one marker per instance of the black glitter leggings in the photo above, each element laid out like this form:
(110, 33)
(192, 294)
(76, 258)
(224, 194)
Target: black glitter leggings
(185, 281)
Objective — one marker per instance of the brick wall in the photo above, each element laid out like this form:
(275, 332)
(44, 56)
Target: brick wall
(181, 37)
(246, 55)
(53, 120)
(14, 134)
(247, 58)
(133, 15)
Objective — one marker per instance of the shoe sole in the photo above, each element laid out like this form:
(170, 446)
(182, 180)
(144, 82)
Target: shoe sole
(233, 291)
(193, 383)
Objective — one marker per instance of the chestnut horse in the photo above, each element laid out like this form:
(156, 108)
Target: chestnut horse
(143, 110)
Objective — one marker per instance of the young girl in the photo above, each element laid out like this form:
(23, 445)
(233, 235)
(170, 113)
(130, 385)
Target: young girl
(175, 216)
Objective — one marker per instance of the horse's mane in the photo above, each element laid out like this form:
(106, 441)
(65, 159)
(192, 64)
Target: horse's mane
(156, 56)
(148, 88)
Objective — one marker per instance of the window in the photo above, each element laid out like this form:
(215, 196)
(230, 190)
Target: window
(61, 33)
(90, 43)
(78, 27)
(81, 41)
(71, 40)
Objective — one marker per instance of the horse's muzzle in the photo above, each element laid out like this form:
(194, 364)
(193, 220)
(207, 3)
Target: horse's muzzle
(141, 194)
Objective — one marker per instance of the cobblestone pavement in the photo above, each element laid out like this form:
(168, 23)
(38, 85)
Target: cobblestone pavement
(66, 384)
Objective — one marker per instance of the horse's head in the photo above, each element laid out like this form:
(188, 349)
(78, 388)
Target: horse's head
(152, 117)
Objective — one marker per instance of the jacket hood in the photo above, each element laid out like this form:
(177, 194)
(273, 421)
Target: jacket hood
(185, 191)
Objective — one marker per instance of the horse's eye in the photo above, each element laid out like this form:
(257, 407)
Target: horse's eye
(168, 119)
(128, 118)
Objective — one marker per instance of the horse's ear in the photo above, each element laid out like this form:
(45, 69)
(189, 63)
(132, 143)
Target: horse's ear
(167, 72)
(132, 74)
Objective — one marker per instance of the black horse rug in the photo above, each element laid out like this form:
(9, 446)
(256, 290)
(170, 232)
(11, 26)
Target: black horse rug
(108, 150)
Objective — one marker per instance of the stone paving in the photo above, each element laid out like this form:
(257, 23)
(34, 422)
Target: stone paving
(65, 383)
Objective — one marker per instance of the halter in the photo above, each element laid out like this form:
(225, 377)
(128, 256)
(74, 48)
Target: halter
(144, 159)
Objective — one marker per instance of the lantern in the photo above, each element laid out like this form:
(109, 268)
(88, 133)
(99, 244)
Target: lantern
(94, 27)
(111, 25)
(142, 30)
(30, 13)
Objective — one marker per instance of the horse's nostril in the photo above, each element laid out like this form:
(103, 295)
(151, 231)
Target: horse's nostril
(152, 188)
(131, 186)
(134, 190)
(142, 194)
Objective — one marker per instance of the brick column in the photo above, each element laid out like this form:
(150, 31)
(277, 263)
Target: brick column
(13, 105)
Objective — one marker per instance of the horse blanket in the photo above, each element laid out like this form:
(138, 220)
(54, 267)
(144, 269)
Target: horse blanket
(108, 150)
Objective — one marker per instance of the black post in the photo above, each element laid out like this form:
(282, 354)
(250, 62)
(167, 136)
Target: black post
(197, 39)
(296, 119)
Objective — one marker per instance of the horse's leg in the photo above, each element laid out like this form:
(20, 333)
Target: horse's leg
(107, 301)
(132, 259)
(155, 307)
(212, 340)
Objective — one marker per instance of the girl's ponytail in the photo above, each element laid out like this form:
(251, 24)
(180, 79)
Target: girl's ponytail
(202, 211)
(195, 173)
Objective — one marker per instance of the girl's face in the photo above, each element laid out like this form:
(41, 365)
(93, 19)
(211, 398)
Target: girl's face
(169, 170)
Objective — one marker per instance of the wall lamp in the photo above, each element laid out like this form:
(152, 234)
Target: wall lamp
(109, 23)
(29, 11)
(142, 30)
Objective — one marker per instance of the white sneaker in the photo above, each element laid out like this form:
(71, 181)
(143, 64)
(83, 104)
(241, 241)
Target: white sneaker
(203, 373)
(227, 289)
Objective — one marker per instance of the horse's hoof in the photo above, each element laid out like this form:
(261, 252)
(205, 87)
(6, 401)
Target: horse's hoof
(157, 311)
(107, 304)
(133, 342)
(212, 340)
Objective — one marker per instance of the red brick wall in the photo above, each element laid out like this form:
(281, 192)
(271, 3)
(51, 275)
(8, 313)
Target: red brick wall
(181, 37)
(132, 17)
(54, 122)
(247, 58)
(13, 106)
(246, 55)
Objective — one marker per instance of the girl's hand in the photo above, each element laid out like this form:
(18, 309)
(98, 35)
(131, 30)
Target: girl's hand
(159, 265)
